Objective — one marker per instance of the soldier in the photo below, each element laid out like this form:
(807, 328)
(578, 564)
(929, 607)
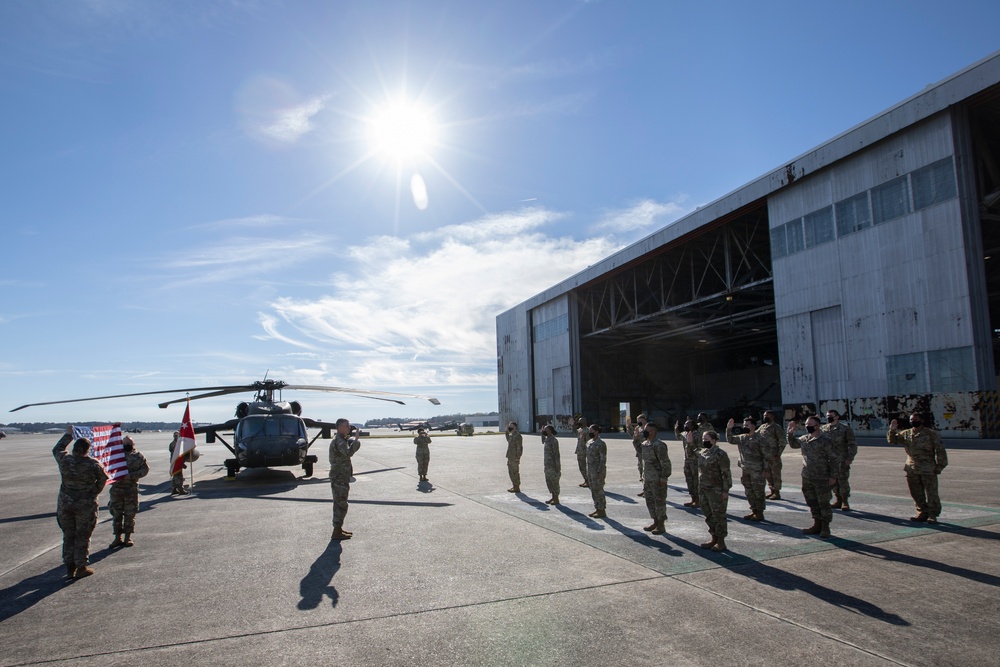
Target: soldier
(342, 448)
(551, 463)
(847, 448)
(177, 481)
(637, 439)
(820, 464)
(701, 427)
(76, 509)
(515, 447)
(925, 459)
(754, 450)
(582, 436)
(124, 495)
(656, 469)
(597, 470)
(691, 440)
(772, 465)
(714, 481)
(423, 453)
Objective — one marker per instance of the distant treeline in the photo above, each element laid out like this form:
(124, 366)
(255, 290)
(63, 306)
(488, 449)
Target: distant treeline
(40, 427)
(439, 419)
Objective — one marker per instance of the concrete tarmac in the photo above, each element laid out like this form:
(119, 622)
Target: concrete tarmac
(457, 571)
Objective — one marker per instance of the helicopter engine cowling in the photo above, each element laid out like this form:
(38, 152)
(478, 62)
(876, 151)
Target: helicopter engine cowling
(296, 408)
(242, 410)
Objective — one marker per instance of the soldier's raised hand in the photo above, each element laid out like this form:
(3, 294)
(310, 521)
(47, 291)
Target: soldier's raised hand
(894, 425)
(791, 427)
(731, 423)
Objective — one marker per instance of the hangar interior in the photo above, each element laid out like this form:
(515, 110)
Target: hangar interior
(687, 329)
(984, 117)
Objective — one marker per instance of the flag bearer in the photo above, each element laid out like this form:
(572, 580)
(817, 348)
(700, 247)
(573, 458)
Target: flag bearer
(83, 478)
(124, 501)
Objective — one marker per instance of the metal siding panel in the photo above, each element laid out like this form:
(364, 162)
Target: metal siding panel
(798, 377)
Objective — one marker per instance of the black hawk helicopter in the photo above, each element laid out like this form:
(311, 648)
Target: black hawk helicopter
(267, 432)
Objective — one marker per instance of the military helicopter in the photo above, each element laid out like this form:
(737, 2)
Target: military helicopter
(267, 432)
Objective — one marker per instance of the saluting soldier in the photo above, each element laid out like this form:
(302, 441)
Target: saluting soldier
(597, 470)
(820, 463)
(83, 478)
(124, 495)
(842, 436)
(925, 459)
(772, 464)
(714, 481)
(423, 453)
(656, 471)
(691, 438)
(754, 450)
(636, 431)
(342, 448)
(550, 463)
(515, 447)
(582, 436)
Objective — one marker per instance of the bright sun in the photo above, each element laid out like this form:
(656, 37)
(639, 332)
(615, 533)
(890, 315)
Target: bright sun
(402, 131)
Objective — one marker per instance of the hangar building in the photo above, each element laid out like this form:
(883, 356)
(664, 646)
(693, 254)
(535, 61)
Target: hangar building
(863, 275)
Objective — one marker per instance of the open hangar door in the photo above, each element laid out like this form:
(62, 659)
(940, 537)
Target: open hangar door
(688, 328)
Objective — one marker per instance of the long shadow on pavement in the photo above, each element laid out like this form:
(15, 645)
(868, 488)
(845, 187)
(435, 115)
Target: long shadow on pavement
(319, 580)
(623, 498)
(915, 561)
(26, 593)
(580, 517)
(640, 537)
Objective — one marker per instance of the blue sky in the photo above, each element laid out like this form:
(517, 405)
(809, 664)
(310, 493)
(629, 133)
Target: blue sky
(198, 192)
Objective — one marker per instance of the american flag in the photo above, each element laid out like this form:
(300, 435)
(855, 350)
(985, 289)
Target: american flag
(106, 448)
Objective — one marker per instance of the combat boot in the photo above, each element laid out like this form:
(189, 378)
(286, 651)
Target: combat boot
(128, 540)
(709, 545)
(339, 534)
(555, 500)
(824, 529)
(659, 529)
(641, 494)
(838, 504)
(650, 527)
(514, 489)
(813, 529)
(922, 516)
(117, 543)
(845, 507)
(932, 519)
(70, 570)
(82, 572)
(775, 495)
(584, 485)
(690, 503)
(599, 514)
(720, 545)
(754, 516)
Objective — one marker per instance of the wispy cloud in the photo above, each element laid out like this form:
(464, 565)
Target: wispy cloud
(274, 113)
(262, 221)
(422, 310)
(640, 216)
(288, 125)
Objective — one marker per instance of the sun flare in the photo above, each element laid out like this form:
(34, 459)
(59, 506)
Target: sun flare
(402, 131)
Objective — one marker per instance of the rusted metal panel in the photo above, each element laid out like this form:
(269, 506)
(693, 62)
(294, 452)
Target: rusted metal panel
(954, 414)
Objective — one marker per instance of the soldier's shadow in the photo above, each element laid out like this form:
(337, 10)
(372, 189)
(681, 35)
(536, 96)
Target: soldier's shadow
(28, 592)
(319, 580)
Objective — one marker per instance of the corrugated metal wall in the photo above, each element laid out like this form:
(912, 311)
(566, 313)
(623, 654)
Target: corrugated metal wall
(514, 366)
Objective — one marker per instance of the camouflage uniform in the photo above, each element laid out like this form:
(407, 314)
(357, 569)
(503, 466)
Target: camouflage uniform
(656, 465)
(597, 469)
(581, 450)
(176, 481)
(775, 435)
(820, 463)
(83, 478)
(925, 459)
(123, 502)
(551, 464)
(637, 439)
(515, 447)
(714, 479)
(847, 448)
(691, 458)
(341, 470)
(423, 453)
(754, 450)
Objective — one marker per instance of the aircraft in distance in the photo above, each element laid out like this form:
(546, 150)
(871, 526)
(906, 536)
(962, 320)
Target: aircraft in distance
(444, 426)
(267, 431)
(413, 426)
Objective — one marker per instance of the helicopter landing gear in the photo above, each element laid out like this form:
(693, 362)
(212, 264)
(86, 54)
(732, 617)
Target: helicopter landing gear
(232, 467)
(307, 465)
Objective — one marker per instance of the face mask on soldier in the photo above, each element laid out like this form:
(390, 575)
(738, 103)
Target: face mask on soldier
(810, 428)
(645, 434)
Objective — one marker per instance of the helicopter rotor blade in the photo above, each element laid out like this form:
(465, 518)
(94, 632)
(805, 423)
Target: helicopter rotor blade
(366, 393)
(231, 389)
(222, 392)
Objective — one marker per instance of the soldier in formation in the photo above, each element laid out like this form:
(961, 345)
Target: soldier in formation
(775, 436)
(925, 459)
(754, 450)
(714, 481)
(597, 470)
(842, 436)
(820, 465)
(636, 431)
(656, 471)
(342, 448)
(515, 447)
(422, 441)
(691, 438)
(582, 436)
(83, 478)
(551, 463)
(123, 502)
(177, 480)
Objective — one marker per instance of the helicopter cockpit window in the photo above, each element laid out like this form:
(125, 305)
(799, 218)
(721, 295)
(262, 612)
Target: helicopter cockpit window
(271, 426)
